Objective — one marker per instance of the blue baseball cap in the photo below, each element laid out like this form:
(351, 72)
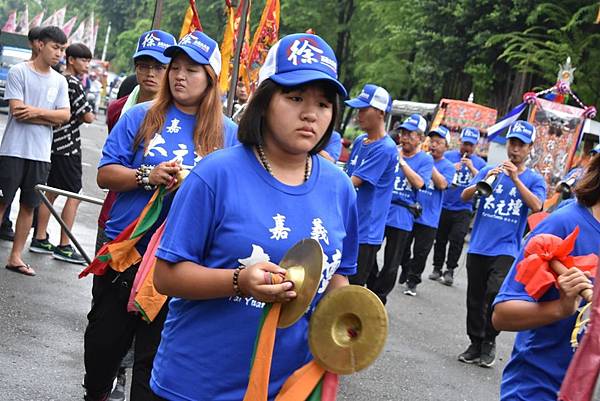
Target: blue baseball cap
(415, 122)
(441, 131)
(200, 48)
(301, 58)
(596, 150)
(372, 96)
(521, 130)
(469, 135)
(153, 43)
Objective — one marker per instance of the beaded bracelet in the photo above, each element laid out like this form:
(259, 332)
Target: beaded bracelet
(142, 177)
(236, 277)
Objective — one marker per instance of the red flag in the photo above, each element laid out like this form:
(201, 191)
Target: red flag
(68, 27)
(37, 20)
(265, 36)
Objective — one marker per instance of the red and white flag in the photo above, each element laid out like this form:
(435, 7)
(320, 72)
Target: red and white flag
(51, 20)
(60, 16)
(68, 27)
(11, 23)
(77, 36)
(37, 20)
(23, 24)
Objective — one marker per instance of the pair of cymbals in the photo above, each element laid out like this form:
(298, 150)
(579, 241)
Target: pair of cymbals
(348, 329)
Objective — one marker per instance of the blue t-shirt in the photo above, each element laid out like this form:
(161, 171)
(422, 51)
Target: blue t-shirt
(541, 356)
(240, 214)
(334, 146)
(404, 194)
(462, 180)
(501, 217)
(431, 198)
(175, 140)
(374, 163)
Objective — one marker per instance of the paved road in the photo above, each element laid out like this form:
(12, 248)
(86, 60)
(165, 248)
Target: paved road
(42, 320)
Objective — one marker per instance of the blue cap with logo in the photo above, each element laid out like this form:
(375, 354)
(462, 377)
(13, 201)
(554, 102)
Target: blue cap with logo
(521, 130)
(415, 122)
(596, 150)
(200, 48)
(469, 135)
(372, 96)
(301, 58)
(441, 131)
(153, 44)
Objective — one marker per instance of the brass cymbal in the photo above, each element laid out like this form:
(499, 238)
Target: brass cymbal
(304, 264)
(348, 329)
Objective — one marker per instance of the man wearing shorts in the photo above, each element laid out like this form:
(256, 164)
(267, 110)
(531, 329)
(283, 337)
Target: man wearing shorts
(65, 167)
(38, 99)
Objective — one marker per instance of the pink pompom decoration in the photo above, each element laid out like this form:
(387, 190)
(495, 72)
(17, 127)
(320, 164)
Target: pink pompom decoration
(563, 88)
(529, 97)
(589, 112)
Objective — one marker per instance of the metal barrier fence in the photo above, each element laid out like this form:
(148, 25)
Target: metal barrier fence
(84, 198)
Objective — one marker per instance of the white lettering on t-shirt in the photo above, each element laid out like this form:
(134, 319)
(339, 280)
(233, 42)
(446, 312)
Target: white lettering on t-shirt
(319, 232)
(329, 269)
(174, 128)
(279, 231)
(154, 146)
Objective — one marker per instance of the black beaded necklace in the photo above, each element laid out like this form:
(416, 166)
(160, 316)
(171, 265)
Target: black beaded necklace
(267, 166)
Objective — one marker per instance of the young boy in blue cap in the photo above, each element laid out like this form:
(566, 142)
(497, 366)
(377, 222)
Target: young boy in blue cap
(371, 168)
(497, 232)
(430, 199)
(456, 213)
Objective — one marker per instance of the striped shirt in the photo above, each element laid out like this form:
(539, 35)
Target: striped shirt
(67, 139)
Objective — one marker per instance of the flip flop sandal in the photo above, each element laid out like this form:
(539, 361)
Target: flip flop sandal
(19, 269)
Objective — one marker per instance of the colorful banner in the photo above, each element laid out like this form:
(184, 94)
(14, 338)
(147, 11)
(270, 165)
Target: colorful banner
(558, 128)
(458, 114)
(191, 21)
(265, 36)
(11, 23)
(77, 36)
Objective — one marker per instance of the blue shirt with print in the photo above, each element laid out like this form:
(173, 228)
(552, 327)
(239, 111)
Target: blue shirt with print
(375, 164)
(241, 215)
(462, 180)
(540, 356)
(174, 141)
(404, 195)
(501, 217)
(431, 198)
(334, 146)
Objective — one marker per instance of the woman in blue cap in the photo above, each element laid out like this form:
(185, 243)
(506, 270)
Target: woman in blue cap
(147, 147)
(251, 204)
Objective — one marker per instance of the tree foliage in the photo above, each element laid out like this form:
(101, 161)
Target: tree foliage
(419, 50)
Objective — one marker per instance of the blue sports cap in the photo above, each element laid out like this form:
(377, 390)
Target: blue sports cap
(199, 47)
(469, 135)
(415, 122)
(301, 58)
(441, 131)
(521, 130)
(153, 44)
(372, 96)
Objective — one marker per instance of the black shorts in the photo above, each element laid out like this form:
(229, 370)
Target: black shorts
(20, 173)
(65, 172)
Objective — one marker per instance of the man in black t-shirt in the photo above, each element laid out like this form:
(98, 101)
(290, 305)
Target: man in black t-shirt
(65, 168)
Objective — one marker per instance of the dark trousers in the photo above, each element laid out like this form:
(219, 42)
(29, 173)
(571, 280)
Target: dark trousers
(453, 228)
(414, 262)
(110, 333)
(366, 263)
(485, 275)
(383, 282)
